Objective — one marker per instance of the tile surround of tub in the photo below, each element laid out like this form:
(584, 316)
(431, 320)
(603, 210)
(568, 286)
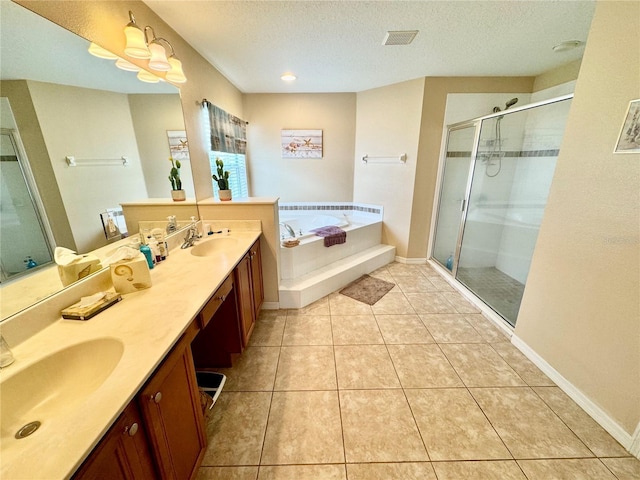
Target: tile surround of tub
(357, 394)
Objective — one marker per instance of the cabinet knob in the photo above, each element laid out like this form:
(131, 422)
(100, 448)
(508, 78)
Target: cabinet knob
(222, 298)
(131, 430)
(157, 397)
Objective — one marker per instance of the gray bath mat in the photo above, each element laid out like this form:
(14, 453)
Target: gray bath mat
(367, 289)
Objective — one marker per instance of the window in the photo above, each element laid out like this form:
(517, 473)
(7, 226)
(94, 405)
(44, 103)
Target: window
(236, 164)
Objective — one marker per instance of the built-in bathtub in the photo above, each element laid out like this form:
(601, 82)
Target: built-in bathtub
(310, 270)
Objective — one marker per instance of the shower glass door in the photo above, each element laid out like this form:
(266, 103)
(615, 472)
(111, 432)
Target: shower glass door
(460, 142)
(23, 242)
(512, 173)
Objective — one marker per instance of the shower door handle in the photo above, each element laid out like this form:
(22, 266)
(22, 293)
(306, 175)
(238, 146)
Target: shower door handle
(463, 204)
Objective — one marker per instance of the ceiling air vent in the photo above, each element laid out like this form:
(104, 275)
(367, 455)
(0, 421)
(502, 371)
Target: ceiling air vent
(399, 37)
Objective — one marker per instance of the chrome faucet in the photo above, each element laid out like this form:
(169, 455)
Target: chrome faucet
(192, 236)
(6, 357)
(289, 229)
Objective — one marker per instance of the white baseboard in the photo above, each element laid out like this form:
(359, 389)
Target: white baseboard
(411, 261)
(630, 442)
(270, 306)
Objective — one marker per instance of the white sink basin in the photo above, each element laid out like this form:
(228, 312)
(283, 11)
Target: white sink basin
(213, 246)
(56, 383)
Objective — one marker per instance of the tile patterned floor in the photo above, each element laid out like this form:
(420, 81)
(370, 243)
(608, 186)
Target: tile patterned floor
(418, 386)
(496, 288)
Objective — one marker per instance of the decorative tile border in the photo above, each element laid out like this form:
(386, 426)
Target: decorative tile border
(507, 153)
(328, 206)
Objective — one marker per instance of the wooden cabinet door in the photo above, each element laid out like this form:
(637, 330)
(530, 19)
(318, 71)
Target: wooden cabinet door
(173, 417)
(256, 277)
(244, 291)
(123, 453)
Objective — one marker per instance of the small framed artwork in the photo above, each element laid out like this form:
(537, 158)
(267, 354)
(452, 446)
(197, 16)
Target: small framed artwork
(629, 138)
(301, 143)
(178, 145)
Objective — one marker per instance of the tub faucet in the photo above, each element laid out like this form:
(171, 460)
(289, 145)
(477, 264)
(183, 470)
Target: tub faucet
(192, 236)
(289, 229)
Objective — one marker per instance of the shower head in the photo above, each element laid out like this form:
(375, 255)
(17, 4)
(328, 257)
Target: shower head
(511, 103)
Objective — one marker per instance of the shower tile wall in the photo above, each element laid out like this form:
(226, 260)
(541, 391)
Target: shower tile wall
(512, 176)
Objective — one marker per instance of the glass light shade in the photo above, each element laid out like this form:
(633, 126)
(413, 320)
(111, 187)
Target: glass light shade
(158, 61)
(288, 77)
(147, 77)
(176, 74)
(98, 51)
(122, 64)
(136, 44)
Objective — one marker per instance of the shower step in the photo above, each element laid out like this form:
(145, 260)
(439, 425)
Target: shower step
(302, 291)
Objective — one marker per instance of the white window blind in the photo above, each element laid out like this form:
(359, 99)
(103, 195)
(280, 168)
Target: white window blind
(236, 164)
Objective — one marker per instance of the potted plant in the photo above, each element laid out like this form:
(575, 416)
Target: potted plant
(177, 193)
(223, 181)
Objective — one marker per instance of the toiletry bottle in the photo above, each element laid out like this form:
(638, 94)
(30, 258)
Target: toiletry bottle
(144, 233)
(449, 264)
(148, 255)
(155, 250)
(158, 235)
(30, 262)
(172, 226)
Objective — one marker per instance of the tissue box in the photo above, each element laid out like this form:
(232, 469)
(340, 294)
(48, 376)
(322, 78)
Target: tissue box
(76, 312)
(130, 276)
(73, 272)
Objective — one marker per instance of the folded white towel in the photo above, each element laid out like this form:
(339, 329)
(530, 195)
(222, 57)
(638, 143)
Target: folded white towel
(64, 256)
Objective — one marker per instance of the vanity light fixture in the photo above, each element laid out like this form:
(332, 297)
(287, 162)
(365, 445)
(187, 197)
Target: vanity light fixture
(136, 46)
(147, 77)
(98, 51)
(176, 74)
(158, 60)
(127, 66)
(143, 44)
(288, 77)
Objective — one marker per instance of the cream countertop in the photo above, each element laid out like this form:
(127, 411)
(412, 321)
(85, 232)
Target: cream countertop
(148, 323)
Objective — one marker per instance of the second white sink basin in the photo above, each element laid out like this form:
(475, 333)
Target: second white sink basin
(213, 246)
(55, 383)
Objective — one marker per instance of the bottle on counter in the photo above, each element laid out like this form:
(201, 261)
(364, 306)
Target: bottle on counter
(146, 251)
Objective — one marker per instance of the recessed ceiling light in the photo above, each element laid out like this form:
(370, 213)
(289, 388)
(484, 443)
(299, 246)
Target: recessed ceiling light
(566, 46)
(288, 77)
(399, 37)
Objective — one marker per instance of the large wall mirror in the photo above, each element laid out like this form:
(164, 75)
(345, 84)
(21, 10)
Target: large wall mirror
(58, 101)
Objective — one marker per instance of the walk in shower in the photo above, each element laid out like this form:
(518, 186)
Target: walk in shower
(496, 175)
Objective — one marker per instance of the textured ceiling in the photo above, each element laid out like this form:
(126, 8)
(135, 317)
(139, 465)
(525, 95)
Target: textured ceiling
(336, 46)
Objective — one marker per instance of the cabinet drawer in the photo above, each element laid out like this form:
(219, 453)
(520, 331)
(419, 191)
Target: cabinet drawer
(212, 306)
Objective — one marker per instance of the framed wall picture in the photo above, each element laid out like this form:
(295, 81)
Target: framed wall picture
(301, 143)
(629, 138)
(178, 145)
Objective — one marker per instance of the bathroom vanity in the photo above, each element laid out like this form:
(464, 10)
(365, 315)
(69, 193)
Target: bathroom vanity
(136, 412)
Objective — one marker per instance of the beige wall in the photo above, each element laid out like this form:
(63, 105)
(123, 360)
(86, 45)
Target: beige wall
(103, 22)
(388, 125)
(74, 122)
(298, 180)
(19, 97)
(436, 90)
(581, 310)
(557, 76)
(152, 116)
